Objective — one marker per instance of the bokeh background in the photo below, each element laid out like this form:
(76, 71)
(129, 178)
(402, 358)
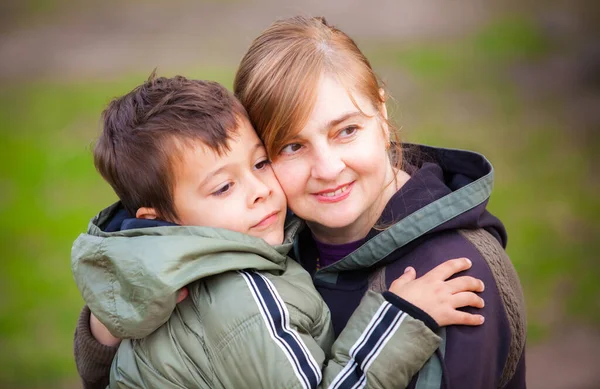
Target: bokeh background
(517, 81)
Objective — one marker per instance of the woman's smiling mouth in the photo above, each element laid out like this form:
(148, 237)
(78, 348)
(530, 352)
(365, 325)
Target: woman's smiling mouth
(336, 194)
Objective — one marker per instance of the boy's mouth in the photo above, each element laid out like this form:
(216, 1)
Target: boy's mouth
(267, 220)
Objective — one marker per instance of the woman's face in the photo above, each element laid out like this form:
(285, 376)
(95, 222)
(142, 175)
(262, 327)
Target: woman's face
(335, 171)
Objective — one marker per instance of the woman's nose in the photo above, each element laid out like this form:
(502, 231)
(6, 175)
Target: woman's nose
(327, 165)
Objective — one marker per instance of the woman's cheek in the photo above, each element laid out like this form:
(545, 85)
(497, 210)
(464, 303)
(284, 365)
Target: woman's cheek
(291, 179)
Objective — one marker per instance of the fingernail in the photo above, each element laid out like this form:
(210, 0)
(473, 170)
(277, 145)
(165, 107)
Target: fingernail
(482, 286)
(481, 319)
(407, 270)
(469, 261)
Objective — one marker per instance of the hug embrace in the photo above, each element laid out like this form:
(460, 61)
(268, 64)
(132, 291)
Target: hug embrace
(284, 237)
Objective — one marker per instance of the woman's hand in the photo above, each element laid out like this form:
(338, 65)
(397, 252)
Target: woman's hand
(101, 333)
(440, 298)
(103, 336)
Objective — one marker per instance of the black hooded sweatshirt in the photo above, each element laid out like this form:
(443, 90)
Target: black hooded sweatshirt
(446, 195)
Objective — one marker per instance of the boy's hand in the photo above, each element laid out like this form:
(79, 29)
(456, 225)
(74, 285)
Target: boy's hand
(440, 298)
(103, 336)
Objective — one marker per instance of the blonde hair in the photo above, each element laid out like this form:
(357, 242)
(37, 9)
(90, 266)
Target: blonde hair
(278, 77)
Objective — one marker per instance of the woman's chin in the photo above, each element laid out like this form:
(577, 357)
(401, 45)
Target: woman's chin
(334, 222)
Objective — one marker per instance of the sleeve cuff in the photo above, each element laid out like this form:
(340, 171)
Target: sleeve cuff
(414, 311)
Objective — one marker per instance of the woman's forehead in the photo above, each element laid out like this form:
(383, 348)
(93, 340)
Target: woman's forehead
(335, 101)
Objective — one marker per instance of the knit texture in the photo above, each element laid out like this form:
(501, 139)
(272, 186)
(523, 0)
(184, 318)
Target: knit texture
(510, 291)
(92, 358)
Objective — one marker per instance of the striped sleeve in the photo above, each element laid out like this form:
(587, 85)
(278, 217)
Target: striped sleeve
(277, 322)
(381, 347)
(364, 352)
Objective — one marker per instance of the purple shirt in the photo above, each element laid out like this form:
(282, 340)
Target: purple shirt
(331, 253)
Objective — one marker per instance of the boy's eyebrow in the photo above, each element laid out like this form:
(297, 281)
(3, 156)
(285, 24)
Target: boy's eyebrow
(212, 174)
(224, 167)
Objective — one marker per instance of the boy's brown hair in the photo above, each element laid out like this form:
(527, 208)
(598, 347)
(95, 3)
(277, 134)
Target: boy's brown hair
(144, 131)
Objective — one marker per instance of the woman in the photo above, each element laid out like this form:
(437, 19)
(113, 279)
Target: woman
(373, 207)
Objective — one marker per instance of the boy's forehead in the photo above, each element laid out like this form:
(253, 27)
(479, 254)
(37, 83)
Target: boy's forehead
(189, 145)
(196, 153)
(245, 133)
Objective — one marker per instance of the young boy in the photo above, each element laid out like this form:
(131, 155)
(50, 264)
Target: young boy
(209, 214)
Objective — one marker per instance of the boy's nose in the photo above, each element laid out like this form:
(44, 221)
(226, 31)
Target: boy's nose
(260, 191)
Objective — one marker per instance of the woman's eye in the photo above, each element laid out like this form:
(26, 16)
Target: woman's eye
(222, 190)
(291, 148)
(348, 131)
(262, 164)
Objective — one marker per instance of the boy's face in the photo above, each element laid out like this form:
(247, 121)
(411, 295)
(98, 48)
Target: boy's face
(237, 191)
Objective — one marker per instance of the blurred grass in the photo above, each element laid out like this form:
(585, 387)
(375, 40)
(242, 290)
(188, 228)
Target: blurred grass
(463, 95)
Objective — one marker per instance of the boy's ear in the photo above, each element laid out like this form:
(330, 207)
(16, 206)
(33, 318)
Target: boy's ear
(146, 213)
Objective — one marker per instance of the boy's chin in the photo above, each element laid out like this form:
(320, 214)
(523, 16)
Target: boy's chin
(274, 239)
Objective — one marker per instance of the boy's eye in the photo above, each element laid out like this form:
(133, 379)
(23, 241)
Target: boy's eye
(291, 148)
(222, 190)
(262, 164)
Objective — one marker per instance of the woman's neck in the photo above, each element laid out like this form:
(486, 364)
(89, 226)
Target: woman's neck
(360, 227)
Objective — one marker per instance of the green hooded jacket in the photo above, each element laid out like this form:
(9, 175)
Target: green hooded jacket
(253, 318)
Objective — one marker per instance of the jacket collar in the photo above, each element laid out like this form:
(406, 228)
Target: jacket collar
(448, 189)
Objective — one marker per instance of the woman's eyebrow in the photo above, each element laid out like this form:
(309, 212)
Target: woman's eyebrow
(343, 118)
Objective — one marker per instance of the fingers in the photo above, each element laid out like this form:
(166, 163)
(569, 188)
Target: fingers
(465, 284)
(448, 269)
(464, 318)
(101, 333)
(182, 294)
(409, 275)
(467, 299)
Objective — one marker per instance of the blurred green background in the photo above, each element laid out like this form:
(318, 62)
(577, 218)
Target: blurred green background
(518, 83)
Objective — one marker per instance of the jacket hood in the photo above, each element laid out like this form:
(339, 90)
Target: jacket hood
(448, 190)
(129, 270)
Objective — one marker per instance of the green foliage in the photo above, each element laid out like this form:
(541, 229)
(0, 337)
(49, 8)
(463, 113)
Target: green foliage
(467, 62)
(511, 38)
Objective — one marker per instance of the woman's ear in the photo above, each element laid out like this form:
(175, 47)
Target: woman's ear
(146, 213)
(383, 108)
(384, 115)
